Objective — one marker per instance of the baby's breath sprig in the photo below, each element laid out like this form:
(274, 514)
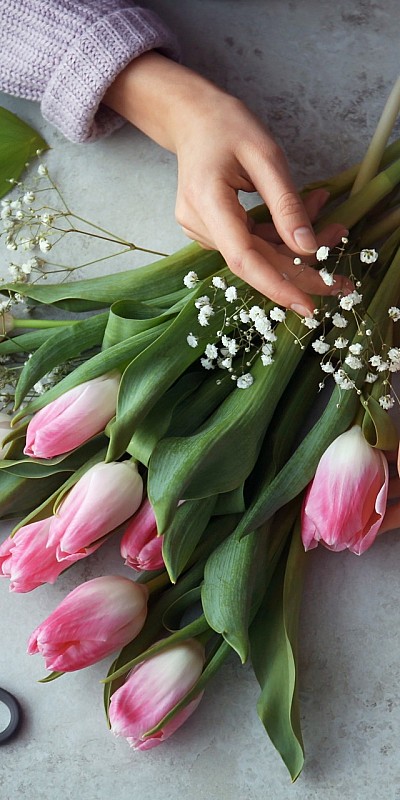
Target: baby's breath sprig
(32, 223)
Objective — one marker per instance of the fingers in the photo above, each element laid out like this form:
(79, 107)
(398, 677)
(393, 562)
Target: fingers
(313, 204)
(269, 172)
(256, 261)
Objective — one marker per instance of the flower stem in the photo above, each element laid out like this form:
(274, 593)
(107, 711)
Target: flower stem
(370, 164)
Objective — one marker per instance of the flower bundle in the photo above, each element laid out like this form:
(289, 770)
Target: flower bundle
(186, 425)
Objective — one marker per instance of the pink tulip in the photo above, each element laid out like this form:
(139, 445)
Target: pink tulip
(96, 618)
(105, 497)
(346, 501)
(28, 560)
(152, 689)
(73, 418)
(140, 546)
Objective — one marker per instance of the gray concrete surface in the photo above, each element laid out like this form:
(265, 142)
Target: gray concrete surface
(318, 73)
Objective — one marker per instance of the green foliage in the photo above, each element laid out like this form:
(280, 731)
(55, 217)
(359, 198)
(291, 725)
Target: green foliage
(18, 144)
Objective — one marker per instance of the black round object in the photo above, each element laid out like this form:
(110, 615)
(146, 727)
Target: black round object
(15, 715)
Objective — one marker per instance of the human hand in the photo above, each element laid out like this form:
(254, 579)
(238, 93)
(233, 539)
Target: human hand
(222, 148)
(226, 150)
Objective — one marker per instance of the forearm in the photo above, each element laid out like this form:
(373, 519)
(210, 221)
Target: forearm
(160, 97)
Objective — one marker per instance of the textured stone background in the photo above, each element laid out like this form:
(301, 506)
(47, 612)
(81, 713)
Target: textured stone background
(318, 73)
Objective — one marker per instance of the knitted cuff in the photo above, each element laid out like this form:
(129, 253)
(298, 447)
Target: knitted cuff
(72, 99)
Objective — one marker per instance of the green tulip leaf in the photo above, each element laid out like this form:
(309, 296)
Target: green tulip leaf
(18, 143)
(221, 454)
(52, 677)
(229, 585)
(161, 279)
(35, 468)
(27, 342)
(59, 348)
(126, 318)
(184, 533)
(20, 495)
(273, 639)
(177, 611)
(115, 357)
(378, 427)
(156, 369)
(158, 420)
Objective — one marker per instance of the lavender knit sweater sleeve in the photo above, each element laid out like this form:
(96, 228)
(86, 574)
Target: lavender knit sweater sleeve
(66, 53)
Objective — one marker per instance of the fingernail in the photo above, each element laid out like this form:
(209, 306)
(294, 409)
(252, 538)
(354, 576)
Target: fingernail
(302, 310)
(305, 239)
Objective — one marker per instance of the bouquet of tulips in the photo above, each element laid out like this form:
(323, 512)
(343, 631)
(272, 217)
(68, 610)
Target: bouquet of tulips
(190, 424)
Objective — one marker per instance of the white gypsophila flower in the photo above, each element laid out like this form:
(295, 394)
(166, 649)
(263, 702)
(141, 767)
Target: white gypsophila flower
(29, 244)
(345, 240)
(368, 256)
(394, 366)
(394, 313)
(231, 294)
(202, 301)
(190, 280)
(34, 263)
(225, 363)
(322, 253)
(353, 361)
(262, 325)
(19, 298)
(371, 377)
(266, 360)
(16, 204)
(5, 212)
(269, 336)
(206, 363)
(320, 347)
(383, 366)
(211, 351)
(267, 349)
(44, 245)
(14, 271)
(42, 170)
(346, 302)
(341, 342)
(256, 312)
(218, 282)
(28, 198)
(356, 349)
(243, 315)
(19, 215)
(386, 401)
(26, 268)
(11, 246)
(394, 354)
(8, 224)
(375, 361)
(245, 381)
(192, 340)
(277, 314)
(327, 277)
(310, 322)
(204, 315)
(47, 219)
(356, 297)
(343, 380)
(5, 202)
(339, 321)
(39, 388)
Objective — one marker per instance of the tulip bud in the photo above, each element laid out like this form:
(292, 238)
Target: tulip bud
(345, 502)
(29, 561)
(73, 418)
(105, 497)
(140, 546)
(152, 689)
(96, 618)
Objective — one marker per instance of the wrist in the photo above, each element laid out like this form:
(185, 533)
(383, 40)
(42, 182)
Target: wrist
(161, 97)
